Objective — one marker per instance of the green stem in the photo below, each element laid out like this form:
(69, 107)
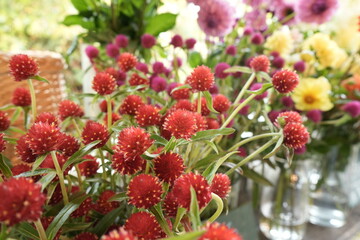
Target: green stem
(244, 88)
(1, 179)
(61, 177)
(76, 126)
(162, 221)
(40, 229)
(79, 176)
(33, 98)
(220, 207)
(239, 144)
(3, 232)
(103, 164)
(26, 116)
(251, 156)
(179, 215)
(199, 103)
(147, 167)
(109, 112)
(176, 67)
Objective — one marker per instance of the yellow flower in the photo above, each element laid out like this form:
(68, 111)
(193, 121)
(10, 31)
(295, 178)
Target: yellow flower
(312, 93)
(281, 42)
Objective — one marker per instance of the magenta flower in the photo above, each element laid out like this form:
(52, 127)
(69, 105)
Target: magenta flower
(112, 50)
(284, 9)
(256, 19)
(148, 41)
(352, 108)
(92, 52)
(315, 11)
(314, 115)
(121, 41)
(219, 70)
(216, 17)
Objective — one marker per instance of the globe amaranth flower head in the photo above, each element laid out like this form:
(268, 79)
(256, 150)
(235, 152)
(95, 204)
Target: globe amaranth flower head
(285, 81)
(104, 83)
(148, 40)
(316, 11)
(43, 137)
(68, 108)
(2, 143)
(4, 121)
(21, 97)
(95, 131)
(133, 141)
(217, 231)
(168, 166)
(216, 17)
(201, 78)
(144, 225)
(23, 67)
(119, 234)
(352, 108)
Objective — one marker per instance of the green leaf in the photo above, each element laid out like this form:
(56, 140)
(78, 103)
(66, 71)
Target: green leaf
(179, 215)
(256, 177)
(238, 69)
(41, 79)
(10, 140)
(7, 107)
(15, 129)
(14, 117)
(79, 20)
(160, 23)
(277, 147)
(38, 161)
(212, 145)
(72, 227)
(47, 179)
(159, 140)
(137, 3)
(180, 87)
(127, 9)
(157, 98)
(118, 197)
(209, 134)
(209, 101)
(27, 230)
(187, 236)
(194, 210)
(195, 59)
(170, 145)
(63, 215)
(210, 171)
(160, 51)
(80, 5)
(76, 157)
(106, 221)
(4, 168)
(264, 87)
(35, 173)
(265, 76)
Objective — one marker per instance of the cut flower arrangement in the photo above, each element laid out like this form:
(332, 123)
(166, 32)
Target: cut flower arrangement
(147, 167)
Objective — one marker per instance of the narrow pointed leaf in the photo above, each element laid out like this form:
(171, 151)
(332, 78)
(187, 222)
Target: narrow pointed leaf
(4, 168)
(38, 161)
(209, 134)
(80, 153)
(238, 69)
(209, 101)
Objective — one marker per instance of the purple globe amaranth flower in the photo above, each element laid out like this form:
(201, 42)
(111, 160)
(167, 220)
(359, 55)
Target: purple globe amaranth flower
(275, 54)
(216, 17)
(177, 41)
(158, 67)
(300, 150)
(287, 101)
(245, 110)
(148, 40)
(121, 41)
(257, 86)
(257, 39)
(314, 115)
(121, 78)
(170, 87)
(248, 31)
(219, 70)
(142, 67)
(190, 43)
(256, 19)
(237, 74)
(278, 62)
(273, 114)
(214, 89)
(112, 50)
(158, 84)
(300, 66)
(178, 62)
(352, 108)
(167, 72)
(92, 52)
(242, 152)
(231, 50)
(315, 11)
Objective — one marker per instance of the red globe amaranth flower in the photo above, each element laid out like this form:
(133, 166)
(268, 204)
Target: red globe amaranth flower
(49, 162)
(184, 104)
(127, 166)
(21, 97)
(23, 202)
(144, 225)
(120, 234)
(221, 103)
(42, 138)
(201, 122)
(103, 205)
(285, 81)
(95, 131)
(181, 190)
(23, 67)
(217, 231)
(136, 80)
(4, 121)
(89, 168)
(260, 63)
(168, 166)
(181, 124)
(83, 209)
(288, 117)
(68, 108)
(221, 185)
(148, 40)
(147, 115)
(144, 191)
(68, 144)
(2, 143)
(170, 205)
(20, 168)
(47, 117)
(126, 61)
(104, 83)
(201, 79)
(86, 236)
(114, 118)
(103, 106)
(180, 93)
(212, 123)
(131, 104)
(23, 150)
(295, 135)
(204, 109)
(133, 141)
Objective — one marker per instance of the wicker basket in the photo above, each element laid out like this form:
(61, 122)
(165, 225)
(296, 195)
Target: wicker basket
(48, 96)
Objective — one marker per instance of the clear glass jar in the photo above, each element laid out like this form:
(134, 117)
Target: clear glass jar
(285, 206)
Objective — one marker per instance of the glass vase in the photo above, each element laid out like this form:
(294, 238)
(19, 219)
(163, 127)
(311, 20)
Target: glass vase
(285, 205)
(329, 200)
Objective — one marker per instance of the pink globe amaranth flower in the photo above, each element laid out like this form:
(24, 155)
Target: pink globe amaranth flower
(121, 41)
(257, 39)
(231, 50)
(148, 41)
(214, 89)
(219, 70)
(158, 84)
(273, 114)
(201, 78)
(23, 67)
(300, 150)
(315, 11)
(190, 43)
(314, 115)
(257, 86)
(260, 63)
(112, 50)
(248, 31)
(216, 18)
(256, 19)
(278, 62)
(177, 41)
(142, 67)
(352, 108)
(245, 110)
(158, 67)
(287, 101)
(92, 52)
(300, 66)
